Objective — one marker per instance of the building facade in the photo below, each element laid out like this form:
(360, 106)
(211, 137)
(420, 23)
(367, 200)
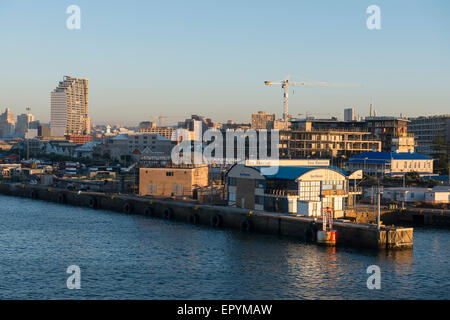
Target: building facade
(349, 114)
(69, 108)
(428, 131)
(23, 124)
(391, 163)
(7, 123)
(165, 132)
(385, 129)
(125, 146)
(172, 181)
(297, 190)
(262, 120)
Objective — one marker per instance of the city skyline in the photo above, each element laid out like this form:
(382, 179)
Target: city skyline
(147, 59)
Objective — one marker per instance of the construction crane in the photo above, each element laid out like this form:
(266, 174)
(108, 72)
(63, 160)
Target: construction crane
(161, 117)
(286, 83)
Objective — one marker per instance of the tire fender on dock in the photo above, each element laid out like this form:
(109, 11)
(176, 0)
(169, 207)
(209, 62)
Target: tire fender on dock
(194, 218)
(61, 198)
(128, 208)
(93, 203)
(247, 225)
(311, 232)
(168, 213)
(216, 221)
(34, 194)
(148, 211)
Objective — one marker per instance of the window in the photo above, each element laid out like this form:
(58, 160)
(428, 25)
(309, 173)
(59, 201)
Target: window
(232, 196)
(177, 189)
(259, 200)
(259, 184)
(169, 174)
(152, 188)
(232, 181)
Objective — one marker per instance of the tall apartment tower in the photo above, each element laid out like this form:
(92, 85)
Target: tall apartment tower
(349, 114)
(23, 123)
(69, 108)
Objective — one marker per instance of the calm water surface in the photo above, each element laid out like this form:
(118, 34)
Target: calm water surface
(134, 257)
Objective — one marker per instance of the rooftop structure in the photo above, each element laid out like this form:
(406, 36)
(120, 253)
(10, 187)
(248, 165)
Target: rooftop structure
(391, 163)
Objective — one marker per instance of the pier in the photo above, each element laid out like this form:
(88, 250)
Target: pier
(303, 228)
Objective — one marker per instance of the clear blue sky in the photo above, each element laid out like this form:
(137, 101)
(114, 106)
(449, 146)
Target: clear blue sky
(179, 58)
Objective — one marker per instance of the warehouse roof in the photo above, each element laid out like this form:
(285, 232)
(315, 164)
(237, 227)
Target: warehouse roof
(292, 172)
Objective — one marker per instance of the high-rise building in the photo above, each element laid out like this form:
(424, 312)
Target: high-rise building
(7, 123)
(23, 123)
(69, 108)
(349, 114)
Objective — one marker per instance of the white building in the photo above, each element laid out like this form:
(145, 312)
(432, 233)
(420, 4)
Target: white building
(349, 114)
(301, 190)
(432, 195)
(391, 163)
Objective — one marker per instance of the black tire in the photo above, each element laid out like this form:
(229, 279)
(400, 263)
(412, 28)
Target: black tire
(247, 226)
(311, 232)
(194, 218)
(128, 208)
(34, 194)
(216, 221)
(168, 213)
(93, 203)
(62, 198)
(148, 211)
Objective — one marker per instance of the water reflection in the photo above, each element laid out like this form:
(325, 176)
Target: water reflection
(145, 258)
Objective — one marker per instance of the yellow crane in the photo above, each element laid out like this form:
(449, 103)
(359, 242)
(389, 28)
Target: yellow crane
(286, 83)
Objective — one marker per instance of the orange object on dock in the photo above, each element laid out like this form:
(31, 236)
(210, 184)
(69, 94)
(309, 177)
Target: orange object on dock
(327, 236)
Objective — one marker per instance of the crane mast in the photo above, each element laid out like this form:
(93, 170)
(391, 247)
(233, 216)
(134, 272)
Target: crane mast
(285, 86)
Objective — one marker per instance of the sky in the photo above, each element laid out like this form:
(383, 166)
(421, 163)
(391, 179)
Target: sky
(177, 58)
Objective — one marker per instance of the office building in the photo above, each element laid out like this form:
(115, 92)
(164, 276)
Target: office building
(7, 123)
(349, 114)
(23, 124)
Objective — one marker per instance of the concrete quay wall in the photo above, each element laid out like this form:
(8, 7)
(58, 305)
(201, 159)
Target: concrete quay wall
(303, 228)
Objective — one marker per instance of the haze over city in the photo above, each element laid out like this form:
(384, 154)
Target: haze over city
(180, 58)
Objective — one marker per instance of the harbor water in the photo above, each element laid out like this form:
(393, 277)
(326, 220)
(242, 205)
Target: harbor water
(134, 257)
